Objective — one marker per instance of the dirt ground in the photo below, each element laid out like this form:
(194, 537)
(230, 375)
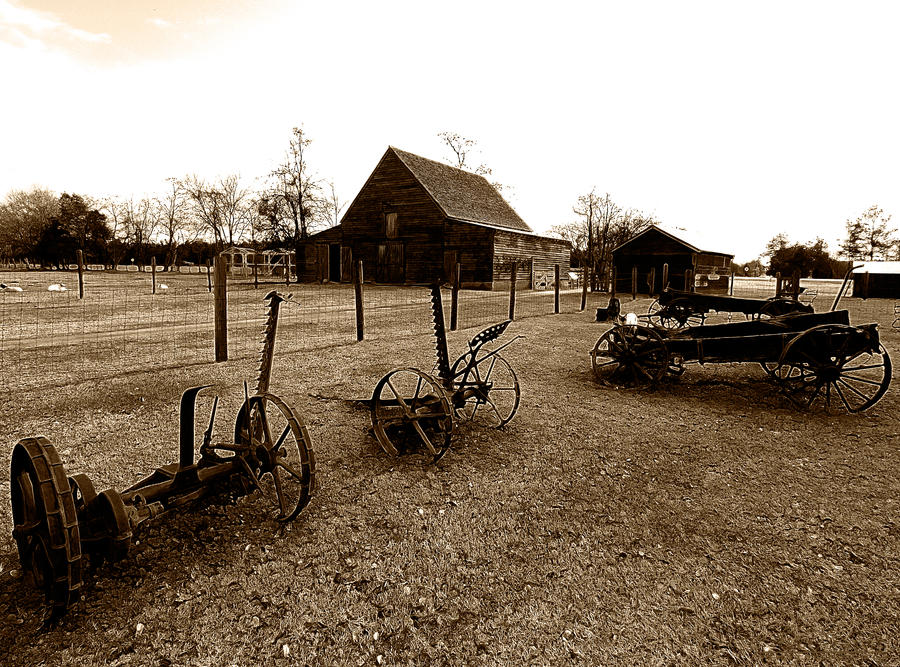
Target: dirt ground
(705, 522)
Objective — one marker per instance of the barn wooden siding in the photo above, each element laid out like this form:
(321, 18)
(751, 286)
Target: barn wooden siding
(416, 254)
(538, 253)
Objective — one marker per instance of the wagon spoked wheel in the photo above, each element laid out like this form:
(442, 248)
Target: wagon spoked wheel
(653, 312)
(412, 414)
(681, 313)
(45, 523)
(277, 453)
(630, 356)
(834, 367)
(488, 393)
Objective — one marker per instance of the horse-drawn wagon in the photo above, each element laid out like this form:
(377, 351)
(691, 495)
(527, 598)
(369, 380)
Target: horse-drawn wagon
(818, 359)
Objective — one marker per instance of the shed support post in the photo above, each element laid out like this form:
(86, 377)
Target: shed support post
(221, 311)
(634, 274)
(360, 321)
(556, 288)
(665, 277)
(689, 280)
(512, 291)
(865, 286)
(651, 281)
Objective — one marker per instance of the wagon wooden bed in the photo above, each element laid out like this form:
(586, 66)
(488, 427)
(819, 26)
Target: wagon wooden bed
(818, 359)
(675, 308)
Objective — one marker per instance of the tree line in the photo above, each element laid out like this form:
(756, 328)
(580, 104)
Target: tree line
(868, 237)
(191, 219)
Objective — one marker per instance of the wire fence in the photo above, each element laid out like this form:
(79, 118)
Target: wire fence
(53, 337)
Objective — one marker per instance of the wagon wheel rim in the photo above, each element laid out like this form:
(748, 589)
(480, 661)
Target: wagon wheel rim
(630, 357)
(277, 454)
(45, 522)
(834, 367)
(412, 415)
(488, 393)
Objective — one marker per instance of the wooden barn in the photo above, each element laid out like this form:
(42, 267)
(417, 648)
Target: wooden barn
(654, 247)
(877, 280)
(415, 218)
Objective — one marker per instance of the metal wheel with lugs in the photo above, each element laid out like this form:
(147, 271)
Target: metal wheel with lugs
(45, 523)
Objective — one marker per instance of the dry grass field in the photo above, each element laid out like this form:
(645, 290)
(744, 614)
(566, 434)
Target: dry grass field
(705, 522)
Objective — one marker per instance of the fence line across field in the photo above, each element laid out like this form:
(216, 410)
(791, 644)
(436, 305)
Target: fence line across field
(52, 338)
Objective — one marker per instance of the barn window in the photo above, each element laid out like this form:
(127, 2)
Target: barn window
(391, 229)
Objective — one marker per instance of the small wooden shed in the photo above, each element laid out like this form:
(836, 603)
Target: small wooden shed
(655, 247)
(877, 280)
(415, 218)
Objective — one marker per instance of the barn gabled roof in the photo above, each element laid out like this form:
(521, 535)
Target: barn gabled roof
(460, 194)
(664, 232)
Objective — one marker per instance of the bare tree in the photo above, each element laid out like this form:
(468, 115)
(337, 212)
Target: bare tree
(171, 209)
(205, 202)
(333, 206)
(293, 204)
(141, 222)
(460, 151)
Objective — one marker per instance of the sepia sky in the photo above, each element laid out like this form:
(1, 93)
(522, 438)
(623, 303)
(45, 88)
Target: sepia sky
(732, 120)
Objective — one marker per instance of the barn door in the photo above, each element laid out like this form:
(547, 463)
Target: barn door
(346, 264)
(321, 262)
(391, 266)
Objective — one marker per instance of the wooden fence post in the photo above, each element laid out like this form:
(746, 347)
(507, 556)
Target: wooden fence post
(221, 311)
(795, 288)
(208, 277)
(612, 282)
(80, 256)
(634, 273)
(665, 276)
(360, 321)
(454, 298)
(651, 281)
(583, 287)
(556, 289)
(255, 273)
(287, 268)
(512, 291)
(153, 274)
(778, 283)
(865, 285)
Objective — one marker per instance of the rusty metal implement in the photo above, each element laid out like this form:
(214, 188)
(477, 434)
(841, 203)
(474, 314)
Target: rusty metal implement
(60, 520)
(414, 412)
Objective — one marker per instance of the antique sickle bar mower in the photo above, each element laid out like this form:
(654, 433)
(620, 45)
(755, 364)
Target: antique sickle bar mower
(415, 412)
(59, 519)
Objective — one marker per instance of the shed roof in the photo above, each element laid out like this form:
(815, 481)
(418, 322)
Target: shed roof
(460, 194)
(877, 267)
(678, 238)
